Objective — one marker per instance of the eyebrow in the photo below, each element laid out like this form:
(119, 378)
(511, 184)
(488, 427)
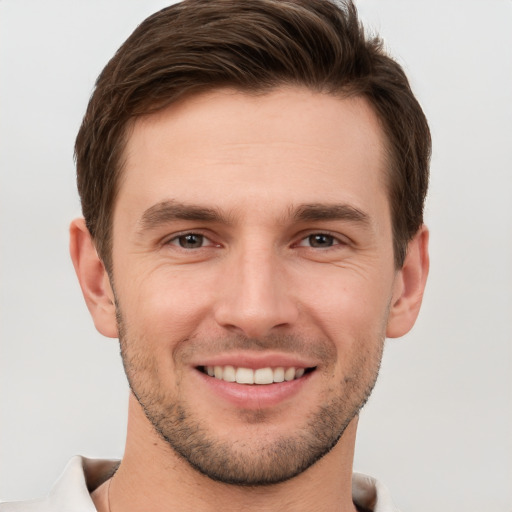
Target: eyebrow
(318, 211)
(171, 210)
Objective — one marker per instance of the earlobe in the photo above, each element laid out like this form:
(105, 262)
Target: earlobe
(93, 279)
(409, 286)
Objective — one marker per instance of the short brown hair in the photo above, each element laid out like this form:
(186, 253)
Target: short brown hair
(251, 45)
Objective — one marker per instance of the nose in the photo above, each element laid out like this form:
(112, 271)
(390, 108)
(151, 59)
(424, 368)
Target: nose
(256, 296)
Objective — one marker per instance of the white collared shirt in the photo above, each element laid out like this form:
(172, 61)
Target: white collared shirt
(71, 492)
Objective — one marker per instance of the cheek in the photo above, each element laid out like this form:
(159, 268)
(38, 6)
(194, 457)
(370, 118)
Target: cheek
(165, 304)
(349, 302)
(354, 319)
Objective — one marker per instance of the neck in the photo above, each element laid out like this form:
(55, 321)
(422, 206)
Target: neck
(153, 477)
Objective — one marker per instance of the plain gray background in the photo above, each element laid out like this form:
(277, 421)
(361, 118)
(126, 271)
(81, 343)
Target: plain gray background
(437, 429)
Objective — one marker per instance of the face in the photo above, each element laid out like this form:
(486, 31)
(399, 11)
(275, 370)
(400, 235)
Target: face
(253, 274)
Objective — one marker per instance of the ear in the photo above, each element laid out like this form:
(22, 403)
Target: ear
(93, 279)
(409, 286)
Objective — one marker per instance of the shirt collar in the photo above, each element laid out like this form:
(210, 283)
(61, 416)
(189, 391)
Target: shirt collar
(82, 475)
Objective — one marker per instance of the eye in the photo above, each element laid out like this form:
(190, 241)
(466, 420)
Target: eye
(319, 241)
(191, 241)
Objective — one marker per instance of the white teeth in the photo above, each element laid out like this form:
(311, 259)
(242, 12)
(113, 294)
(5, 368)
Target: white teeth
(266, 375)
(299, 373)
(229, 374)
(289, 374)
(244, 376)
(278, 374)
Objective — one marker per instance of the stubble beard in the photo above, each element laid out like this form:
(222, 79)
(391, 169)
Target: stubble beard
(249, 462)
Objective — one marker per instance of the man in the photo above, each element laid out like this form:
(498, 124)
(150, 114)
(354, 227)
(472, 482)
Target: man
(252, 177)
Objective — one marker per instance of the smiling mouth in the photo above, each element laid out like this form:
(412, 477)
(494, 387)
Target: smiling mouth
(261, 376)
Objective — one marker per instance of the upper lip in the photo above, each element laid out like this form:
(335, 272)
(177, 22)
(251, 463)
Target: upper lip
(255, 360)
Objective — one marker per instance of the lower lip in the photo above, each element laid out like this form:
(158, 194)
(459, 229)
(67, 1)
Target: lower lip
(254, 396)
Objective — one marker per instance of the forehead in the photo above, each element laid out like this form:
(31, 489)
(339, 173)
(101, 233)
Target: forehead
(229, 149)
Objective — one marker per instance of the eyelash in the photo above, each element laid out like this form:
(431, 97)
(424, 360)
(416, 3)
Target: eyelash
(333, 239)
(176, 240)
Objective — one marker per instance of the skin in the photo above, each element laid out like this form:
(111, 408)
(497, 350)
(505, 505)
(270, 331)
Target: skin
(277, 170)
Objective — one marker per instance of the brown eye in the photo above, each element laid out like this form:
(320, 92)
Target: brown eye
(190, 241)
(320, 240)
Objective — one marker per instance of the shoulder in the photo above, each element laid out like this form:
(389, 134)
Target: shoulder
(25, 506)
(71, 491)
(370, 494)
